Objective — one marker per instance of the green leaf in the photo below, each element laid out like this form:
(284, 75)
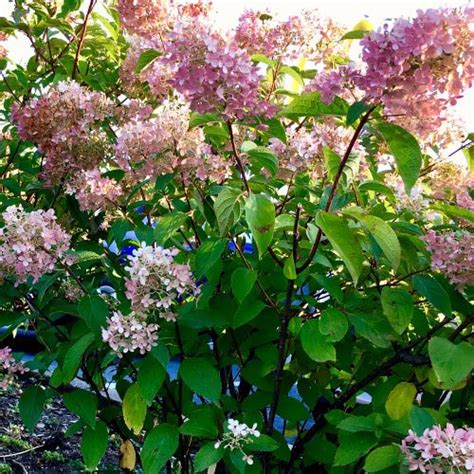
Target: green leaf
(400, 400)
(382, 458)
(420, 419)
(289, 269)
(352, 447)
(263, 443)
(398, 306)
(385, 237)
(454, 212)
(247, 312)
(73, 357)
(168, 225)
(228, 208)
(94, 311)
(207, 255)
(145, 59)
(31, 405)
(406, 151)
(291, 409)
(83, 404)
(355, 111)
(260, 215)
(263, 158)
(452, 363)
(310, 105)
(200, 423)
(343, 241)
(428, 287)
(355, 34)
(356, 424)
(315, 344)
(332, 161)
(333, 325)
(134, 408)
(201, 377)
(207, 456)
(151, 375)
(201, 119)
(242, 282)
(160, 444)
(94, 444)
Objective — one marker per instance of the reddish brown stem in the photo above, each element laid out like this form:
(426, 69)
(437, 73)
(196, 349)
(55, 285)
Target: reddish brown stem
(81, 38)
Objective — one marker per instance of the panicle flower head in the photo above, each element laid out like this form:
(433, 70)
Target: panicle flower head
(9, 367)
(419, 67)
(156, 280)
(452, 253)
(31, 243)
(129, 334)
(237, 436)
(452, 182)
(304, 150)
(93, 191)
(447, 450)
(166, 145)
(147, 18)
(64, 124)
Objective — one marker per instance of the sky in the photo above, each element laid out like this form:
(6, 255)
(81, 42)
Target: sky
(348, 12)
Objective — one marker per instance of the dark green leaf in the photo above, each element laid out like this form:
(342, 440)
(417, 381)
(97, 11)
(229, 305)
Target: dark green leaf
(160, 444)
(260, 215)
(31, 405)
(201, 377)
(94, 444)
(398, 306)
(83, 404)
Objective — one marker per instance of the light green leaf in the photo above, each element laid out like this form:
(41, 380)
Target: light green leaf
(333, 324)
(145, 59)
(134, 408)
(315, 344)
(289, 269)
(400, 400)
(452, 363)
(228, 207)
(260, 215)
(382, 458)
(406, 151)
(398, 306)
(310, 105)
(343, 242)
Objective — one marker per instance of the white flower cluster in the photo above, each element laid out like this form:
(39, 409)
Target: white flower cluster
(237, 436)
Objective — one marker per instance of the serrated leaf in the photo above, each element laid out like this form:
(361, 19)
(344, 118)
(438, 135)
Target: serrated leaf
(260, 216)
(406, 151)
(343, 241)
(145, 59)
(228, 208)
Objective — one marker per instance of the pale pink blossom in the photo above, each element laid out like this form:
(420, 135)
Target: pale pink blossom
(9, 367)
(129, 334)
(31, 243)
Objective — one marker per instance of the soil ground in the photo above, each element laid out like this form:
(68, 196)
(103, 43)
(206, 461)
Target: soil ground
(55, 453)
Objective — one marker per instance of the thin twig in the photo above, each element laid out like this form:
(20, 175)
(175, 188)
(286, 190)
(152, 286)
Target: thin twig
(81, 38)
(237, 158)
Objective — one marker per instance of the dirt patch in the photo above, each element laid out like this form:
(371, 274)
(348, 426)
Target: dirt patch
(54, 453)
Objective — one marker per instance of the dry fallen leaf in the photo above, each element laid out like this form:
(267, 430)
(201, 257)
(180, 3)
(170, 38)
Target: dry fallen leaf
(128, 456)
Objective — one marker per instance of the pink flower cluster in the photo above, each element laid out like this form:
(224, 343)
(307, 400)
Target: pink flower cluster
(31, 243)
(331, 84)
(419, 67)
(93, 191)
(438, 450)
(64, 124)
(453, 182)
(129, 334)
(167, 145)
(452, 254)
(156, 280)
(9, 367)
(147, 18)
(308, 35)
(304, 151)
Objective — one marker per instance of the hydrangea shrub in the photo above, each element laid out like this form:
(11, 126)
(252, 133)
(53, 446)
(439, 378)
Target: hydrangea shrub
(253, 246)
